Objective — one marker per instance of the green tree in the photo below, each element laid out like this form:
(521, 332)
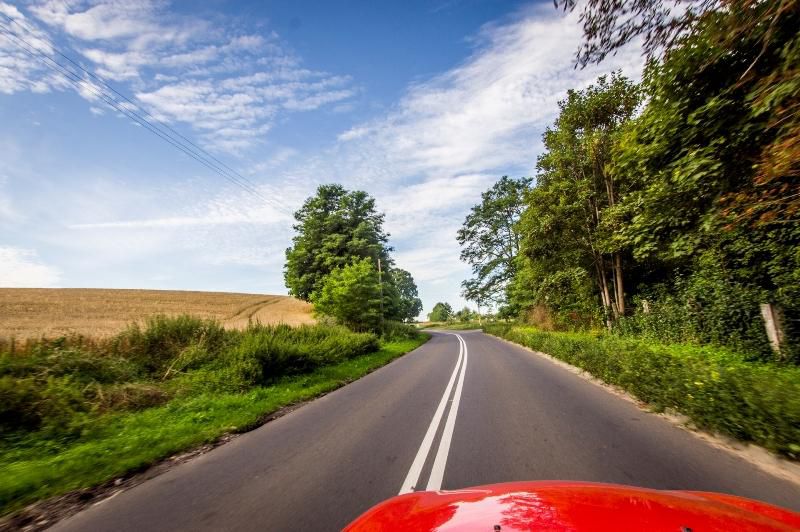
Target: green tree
(714, 159)
(754, 48)
(441, 312)
(334, 228)
(706, 205)
(567, 226)
(409, 302)
(351, 295)
(490, 241)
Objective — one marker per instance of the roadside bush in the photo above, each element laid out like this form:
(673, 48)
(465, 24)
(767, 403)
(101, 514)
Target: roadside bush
(283, 350)
(55, 406)
(394, 331)
(73, 356)
(262, 354)
(717, 388)
(129, 396)
(707, 306)
(54, 386)
(155, 346)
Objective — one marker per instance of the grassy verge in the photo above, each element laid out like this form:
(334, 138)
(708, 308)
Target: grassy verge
(718, 389)
(43, 461)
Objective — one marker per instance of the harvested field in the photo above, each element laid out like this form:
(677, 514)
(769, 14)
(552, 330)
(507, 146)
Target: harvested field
(52, 312)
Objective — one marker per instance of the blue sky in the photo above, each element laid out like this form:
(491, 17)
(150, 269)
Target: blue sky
(422, 104)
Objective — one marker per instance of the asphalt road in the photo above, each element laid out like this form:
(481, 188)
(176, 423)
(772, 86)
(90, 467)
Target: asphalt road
(452, 414)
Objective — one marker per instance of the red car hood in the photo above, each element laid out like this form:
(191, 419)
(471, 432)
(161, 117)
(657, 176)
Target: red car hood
(572, 506)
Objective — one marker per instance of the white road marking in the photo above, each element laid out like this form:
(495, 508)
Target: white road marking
(437, 473)
(419, 460)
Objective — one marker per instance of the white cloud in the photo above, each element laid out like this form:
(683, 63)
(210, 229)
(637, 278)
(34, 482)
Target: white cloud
(22, 268)
(228, 85)
(18, 71)
(234, 218)
(488, 113)
(354, 133)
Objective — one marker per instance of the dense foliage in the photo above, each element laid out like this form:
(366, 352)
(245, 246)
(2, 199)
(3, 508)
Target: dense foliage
(352, 295)
(57, 386)
(566, 239)
(340, 260)
(334, 228)
(671, 210)
(410, 305)
(715, 387)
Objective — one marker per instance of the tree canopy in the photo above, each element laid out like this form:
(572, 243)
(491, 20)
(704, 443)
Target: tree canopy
(351, 294)
(672, 209)
(441, 312)
(335, 257)
(334, 228)
(409, 302)
(566, 228)
(490, 241)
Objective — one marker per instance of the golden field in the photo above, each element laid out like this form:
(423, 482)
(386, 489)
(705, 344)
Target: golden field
(52, 312)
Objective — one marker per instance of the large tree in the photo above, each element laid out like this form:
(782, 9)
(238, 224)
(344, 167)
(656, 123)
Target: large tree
(490, 241)
(717, 198)
(715, 156)
(567, 232)
(334, 228)
(753, 47)
(409, 302)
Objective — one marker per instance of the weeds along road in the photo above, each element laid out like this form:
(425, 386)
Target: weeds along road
(463, 409)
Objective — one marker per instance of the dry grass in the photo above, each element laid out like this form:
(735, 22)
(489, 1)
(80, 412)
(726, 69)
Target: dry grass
(51, 312)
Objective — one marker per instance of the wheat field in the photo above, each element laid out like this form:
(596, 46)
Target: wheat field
(53, 312)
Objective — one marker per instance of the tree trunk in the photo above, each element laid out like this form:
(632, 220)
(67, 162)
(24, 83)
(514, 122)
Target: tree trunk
(605, 294)
(619, 284)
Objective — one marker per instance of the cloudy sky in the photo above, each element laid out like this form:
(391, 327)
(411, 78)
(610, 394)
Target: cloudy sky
(422, 104)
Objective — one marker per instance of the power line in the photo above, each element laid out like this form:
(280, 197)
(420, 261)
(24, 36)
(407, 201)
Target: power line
(113, 102)
(80, 83)
(186, 146)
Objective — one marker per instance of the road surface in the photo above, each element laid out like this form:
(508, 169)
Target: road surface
(462, 410)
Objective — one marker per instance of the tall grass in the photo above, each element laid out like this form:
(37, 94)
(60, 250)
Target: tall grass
(55, 386)
(76, 411)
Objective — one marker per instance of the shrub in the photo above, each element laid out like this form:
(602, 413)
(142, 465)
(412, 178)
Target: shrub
(394, 331)
(55, 405)
(283, 350)
(54, 386)
(352, 295)
(155, 346)
(67, 356)
(717, 388)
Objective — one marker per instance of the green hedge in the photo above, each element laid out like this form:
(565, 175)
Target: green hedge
(716, 388)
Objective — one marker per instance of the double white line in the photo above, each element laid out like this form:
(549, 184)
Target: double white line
(437, 472)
